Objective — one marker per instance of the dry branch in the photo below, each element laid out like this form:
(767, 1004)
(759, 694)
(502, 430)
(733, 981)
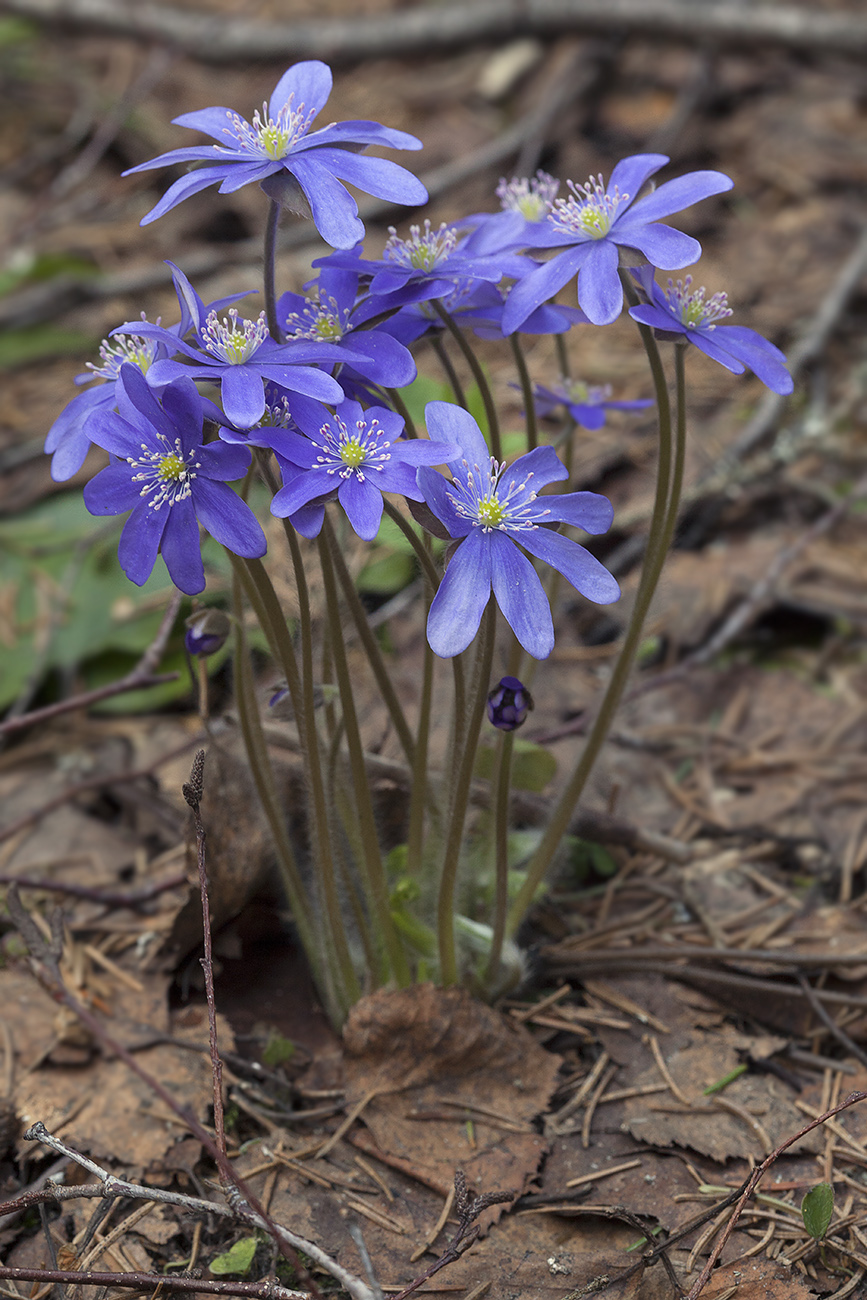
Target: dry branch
(436, 28)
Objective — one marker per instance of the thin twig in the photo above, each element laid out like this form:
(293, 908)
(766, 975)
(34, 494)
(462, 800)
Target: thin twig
(192, 792)
(442, 27)
(753, 1182)
(108, 897)
(841, 1036)
(153, 1282)
(44, 961)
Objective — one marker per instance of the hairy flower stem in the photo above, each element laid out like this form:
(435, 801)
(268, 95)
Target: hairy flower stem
(374, 870)
(501, 785)
(399, 405)
(418, 788)
(427, 565)
(665, 508)
(466, 739)
(374, 655)
(263, 779)
(480, 377)
(451, 374)
(527, 391)
(341, 975)
(270, 271)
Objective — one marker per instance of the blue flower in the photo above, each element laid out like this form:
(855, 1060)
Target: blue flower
(332, 315)
(524, 206)
(431, 263)
(240, 355)
(170, 480)
(354, 454)
(493, 510)
(68, 440)
(300, 168)
(595, 223)
(684, 312)
(584, 402)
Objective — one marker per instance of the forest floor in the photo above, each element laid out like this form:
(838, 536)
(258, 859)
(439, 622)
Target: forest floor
(698, 987)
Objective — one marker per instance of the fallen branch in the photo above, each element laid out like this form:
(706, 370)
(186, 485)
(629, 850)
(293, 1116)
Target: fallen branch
(153, 1282)
(437, 28)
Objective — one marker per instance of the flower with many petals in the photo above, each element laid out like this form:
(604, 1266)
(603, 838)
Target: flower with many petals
(300, 168)
(171, 481)
(586, 403)
(495, 512)
(354, 454)
(682, 312)
(596, 222)
(240, 355)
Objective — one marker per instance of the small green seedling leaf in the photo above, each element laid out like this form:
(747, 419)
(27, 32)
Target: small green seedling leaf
(817, 1208)
(236, 1260)
(277, 1051)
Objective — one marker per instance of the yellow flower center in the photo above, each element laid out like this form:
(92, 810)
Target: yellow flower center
(171, 468)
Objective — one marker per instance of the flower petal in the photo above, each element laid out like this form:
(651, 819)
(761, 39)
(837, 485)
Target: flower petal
(380, 177)
(542, 284)
(227, 518)
(243, 395)
(309, 83)
(435, 489)
(140, 542)
(363, 505)
(581, 568)
(452, 423)
(334, 210)
(181, 549)
(587, 510)
(461, 598)
(600, 293)
(521, 596)
(111, 491)
(682, 192)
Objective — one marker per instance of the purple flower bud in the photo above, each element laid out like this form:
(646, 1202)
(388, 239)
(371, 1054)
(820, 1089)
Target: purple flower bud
(508, 704)
(206, 632)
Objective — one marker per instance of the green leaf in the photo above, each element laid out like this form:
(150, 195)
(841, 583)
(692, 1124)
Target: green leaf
(276, 1052)
(817, 1208)
(533, 766)
(39, 342)
(236, 1260)
(422, 390)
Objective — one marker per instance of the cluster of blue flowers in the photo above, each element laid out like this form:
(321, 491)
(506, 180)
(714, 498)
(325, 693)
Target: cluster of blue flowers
(315, 391)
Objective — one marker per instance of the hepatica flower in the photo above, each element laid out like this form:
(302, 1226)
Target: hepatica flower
(301, 168)
(240, 355)
(596, 221)
(496, 513)
(170, 480)
(354, 454)
(68, 439)
(586, 403)
(687, 313)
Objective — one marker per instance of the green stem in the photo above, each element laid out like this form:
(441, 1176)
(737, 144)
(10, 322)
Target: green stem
(374, 655)
(402, 409)
(424, 559)
(480, 377)
(501, 784)
(464, 757)
(661, 526)
(562, 355)
(377, 883)
(264, 601)
(270, 271)
(527, 390)
(451, 374)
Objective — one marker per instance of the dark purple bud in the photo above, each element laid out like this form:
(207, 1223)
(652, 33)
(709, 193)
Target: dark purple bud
(206, 632)
(508, 704)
